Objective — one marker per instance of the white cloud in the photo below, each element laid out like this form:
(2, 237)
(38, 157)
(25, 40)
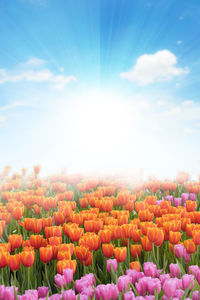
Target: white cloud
(188, 102)
(12, 105)
(174, 111)
(35, 62)
(45, 75)
(161, 103)
(179, 42)
(2, 120)
(157, 67)
(190, 130)
(181, 18)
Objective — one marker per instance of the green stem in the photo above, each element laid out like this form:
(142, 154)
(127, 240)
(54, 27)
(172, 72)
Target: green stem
(2, 281)
(14, 278)
(28, 275)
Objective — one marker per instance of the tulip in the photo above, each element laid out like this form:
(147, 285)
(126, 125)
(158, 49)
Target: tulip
(150, 269)
(174, 237)
(27, 258)
(190, 246)
(14, 262)
(195, 295)
(141, 286)
(59, 280)
(136, 250)
(146, 244)
(88, 291)
(177, 202)
(169, 287)
(163, 278)
(135, 265)
(66, 264)
(152, 285)
(193, 270)
(42, 291)
(179, 250)
(129, 296)
(46, 254)
(120, 253)
(68, 295)
(9, 293)
(112, 262)
(68, 275)
(174, 270)
(187, 280)
(108, 250)
(15, 240)
(17, 212)
(133, 274)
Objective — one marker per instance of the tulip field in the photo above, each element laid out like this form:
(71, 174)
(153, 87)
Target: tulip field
(72, 237)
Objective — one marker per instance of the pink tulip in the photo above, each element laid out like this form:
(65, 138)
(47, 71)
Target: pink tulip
(42, 291)
(68, 275)
(129, 296)
(152, 285)
(179, 250)
(133, 274)
(123, 282)
(59, 280)
(194, 270)
(187, 280)
(68, 295)
(112, 262)
(163, 278)
(170, 287)
(150, 269)
(174, 270)
(195, 295)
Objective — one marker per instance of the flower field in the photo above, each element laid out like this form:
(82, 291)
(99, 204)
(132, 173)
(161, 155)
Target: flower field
(70, 237)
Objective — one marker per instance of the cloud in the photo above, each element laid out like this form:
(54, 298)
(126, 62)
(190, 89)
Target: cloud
(174, 111)
(2, 120)
(181, 18)
(44, 75)
(161, 103)
(12, 105)
(179, 42)
(157, 67)
(188, 102)
(34, 62)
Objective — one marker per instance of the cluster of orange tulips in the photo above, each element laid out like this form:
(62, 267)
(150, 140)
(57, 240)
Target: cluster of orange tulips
(50, 224)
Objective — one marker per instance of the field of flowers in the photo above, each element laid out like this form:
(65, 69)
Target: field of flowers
(70, 237)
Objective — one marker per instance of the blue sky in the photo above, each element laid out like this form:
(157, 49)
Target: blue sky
(97, 85)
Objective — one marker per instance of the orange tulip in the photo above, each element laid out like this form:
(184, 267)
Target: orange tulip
(36, 226)
(146, 244)
(136, 235)
(174, 237)
(59, 218)
(15, 241)
(14, 262)
(196, 237)
(46, 254)
(105, 236)
(88, 261)
(64, 255)
(191, 205)
(77, 218)
(81, 253)
(36, 241)
(190, 246)
(17, 212)
(28, 258)
(75, 234)
(136, 250)
(83, 202)
(134, 265)
(66, 264)
(3, 258)
(108, 250)
(120, 253)
(46, 222)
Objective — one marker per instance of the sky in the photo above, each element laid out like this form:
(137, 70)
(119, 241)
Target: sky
(100, 86)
